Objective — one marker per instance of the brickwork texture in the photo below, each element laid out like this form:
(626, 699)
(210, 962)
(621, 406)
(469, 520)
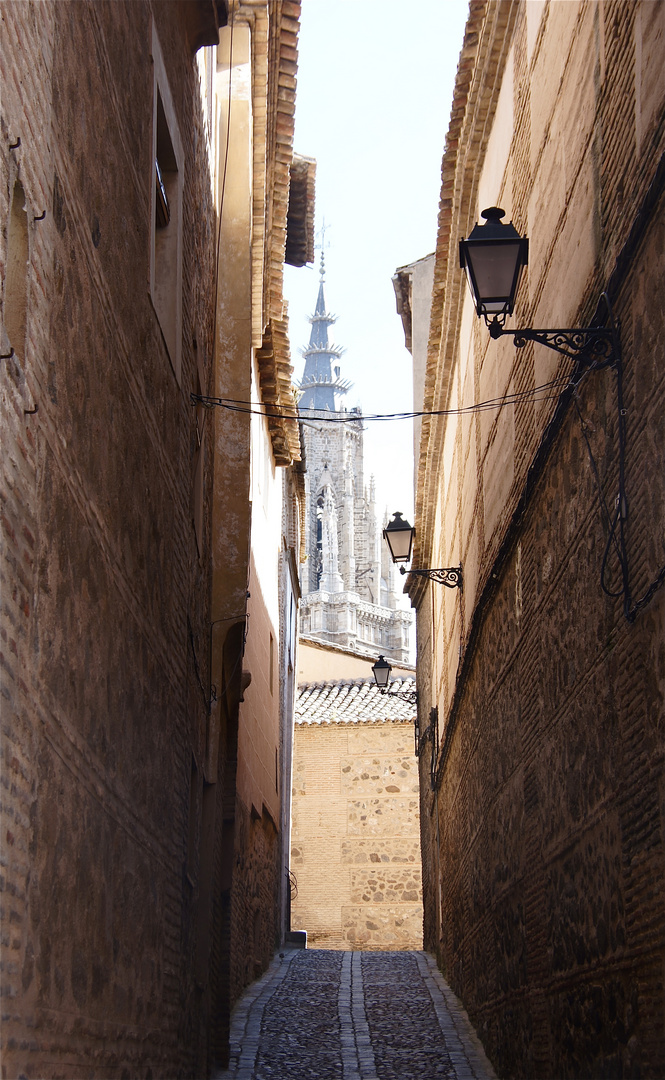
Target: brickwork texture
(543, 839)
(139, 892)
(102, 713)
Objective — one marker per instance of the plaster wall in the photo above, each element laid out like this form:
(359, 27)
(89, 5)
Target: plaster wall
(254, 709)
(422, 277)
(266, 502)
(318, 662)
(258, 740)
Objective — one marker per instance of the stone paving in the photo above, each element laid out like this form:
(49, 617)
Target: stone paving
(325, 1015)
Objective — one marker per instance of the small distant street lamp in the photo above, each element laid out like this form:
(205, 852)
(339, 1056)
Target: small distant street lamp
(381, 670)
(493, 257)
(399, 536)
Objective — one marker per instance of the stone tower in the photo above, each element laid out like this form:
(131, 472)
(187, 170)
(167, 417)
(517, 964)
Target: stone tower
(347, 581)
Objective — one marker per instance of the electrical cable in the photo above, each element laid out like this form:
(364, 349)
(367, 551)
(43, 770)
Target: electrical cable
(616, 536)
(251, 408)
(197, 671)
(653, 588)
(622, 503)
(611, 522)
(615, 522)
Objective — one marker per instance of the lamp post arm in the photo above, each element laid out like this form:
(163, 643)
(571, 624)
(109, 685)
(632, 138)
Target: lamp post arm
(595, 344)
(450, 575)
(410, 695)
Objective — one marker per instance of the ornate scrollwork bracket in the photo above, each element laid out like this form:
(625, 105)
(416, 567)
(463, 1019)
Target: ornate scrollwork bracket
(595, 345)
(450, 575)
(409, 695)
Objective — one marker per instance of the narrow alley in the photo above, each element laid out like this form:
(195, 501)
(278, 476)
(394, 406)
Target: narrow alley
(329, 1015)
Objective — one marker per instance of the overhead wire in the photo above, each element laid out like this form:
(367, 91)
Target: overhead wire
(253, 408)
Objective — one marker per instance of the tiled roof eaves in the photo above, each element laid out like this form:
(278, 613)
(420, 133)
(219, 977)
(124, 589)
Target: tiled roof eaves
(354, 702)
(300, 219)
(274, 26)
(304, 721)
(284, 430)
(275, 379)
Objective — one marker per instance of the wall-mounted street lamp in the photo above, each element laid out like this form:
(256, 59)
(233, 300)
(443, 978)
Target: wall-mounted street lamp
(381, 670)
(493, 257)
(399, 536)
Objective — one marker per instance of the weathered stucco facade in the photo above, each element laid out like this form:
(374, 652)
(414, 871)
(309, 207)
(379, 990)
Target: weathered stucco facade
(142, 803)
(355, 849)
(541, 697)
(257, 495)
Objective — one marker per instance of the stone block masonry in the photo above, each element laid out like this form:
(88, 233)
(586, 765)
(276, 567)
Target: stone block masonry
(355, 841)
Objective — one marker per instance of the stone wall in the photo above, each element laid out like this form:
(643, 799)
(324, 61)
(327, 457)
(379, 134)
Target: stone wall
(254, 907)
(355, 847)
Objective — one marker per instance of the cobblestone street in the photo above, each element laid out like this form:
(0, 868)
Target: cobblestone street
(324, 1015)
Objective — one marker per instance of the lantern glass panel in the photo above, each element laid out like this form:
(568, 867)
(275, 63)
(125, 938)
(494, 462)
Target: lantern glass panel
(494, 269)
(399, 535)
(381, 671)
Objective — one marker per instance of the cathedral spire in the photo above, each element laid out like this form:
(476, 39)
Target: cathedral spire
(347, 596)
(321, 384)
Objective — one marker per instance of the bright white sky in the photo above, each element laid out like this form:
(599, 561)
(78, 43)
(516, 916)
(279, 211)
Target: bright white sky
(375, 84)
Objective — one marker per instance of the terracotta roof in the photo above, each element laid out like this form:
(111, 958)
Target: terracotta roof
(274, 26)
(275, 378)
(354, 702)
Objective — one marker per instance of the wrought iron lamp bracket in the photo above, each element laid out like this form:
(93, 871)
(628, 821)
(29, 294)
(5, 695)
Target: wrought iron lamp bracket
(593, 345)
(450, 575)
(410, 695)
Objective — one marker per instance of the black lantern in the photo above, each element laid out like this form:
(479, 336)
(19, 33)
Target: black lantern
(493, 257)
(381, 671)
(399, 536)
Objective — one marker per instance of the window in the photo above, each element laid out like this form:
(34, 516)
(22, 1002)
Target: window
(166, 213)
(318, 565)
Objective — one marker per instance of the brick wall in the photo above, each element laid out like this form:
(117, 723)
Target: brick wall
(355, 847)
(543, 841)
(104, 621)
